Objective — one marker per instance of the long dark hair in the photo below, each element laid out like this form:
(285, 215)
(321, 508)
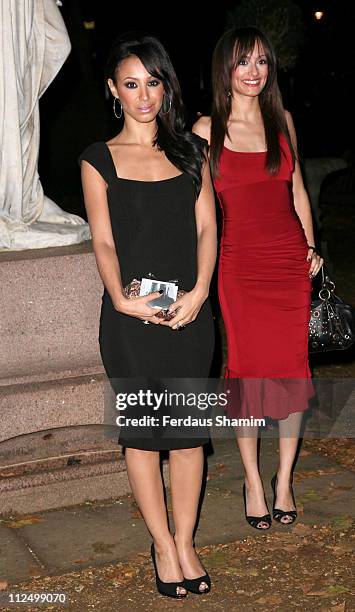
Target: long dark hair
(183, 149)
(231, 47)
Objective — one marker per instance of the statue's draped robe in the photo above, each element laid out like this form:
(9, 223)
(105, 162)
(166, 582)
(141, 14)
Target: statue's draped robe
(34, 45)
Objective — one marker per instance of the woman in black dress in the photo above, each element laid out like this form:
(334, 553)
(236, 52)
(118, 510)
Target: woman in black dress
(150, 206)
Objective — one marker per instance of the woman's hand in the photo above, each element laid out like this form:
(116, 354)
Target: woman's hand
(316, 262)
(187, 308)
(138, 307)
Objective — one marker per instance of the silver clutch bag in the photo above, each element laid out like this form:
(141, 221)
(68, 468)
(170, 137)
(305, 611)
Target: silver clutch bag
(132, 291)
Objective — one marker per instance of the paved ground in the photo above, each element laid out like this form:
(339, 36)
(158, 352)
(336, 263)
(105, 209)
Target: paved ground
(59, 549)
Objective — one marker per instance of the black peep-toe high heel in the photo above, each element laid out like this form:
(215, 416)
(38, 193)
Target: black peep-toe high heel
(169, 589)
(254, 521)
(193, 584)
(278, 514)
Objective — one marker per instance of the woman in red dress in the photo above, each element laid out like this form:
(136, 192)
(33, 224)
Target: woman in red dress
(267, 257)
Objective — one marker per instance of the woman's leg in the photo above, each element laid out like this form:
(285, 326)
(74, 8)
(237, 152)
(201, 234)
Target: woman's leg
(143, 469)
(186, 470)
(247, 438)
(289, 430)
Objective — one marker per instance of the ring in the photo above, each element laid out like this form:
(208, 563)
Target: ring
(145, 322)
(179, 325)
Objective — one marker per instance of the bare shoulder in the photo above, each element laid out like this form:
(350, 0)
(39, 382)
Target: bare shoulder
(202, 127)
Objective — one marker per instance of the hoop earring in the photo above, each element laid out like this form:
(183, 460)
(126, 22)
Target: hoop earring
(114, 108)
(169, 109)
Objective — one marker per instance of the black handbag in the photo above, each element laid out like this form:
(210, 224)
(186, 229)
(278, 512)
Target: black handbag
(332, 322)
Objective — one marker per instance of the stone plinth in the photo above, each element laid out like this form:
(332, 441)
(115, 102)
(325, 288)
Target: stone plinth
(30, 407)
(50, 303)
(52, 383)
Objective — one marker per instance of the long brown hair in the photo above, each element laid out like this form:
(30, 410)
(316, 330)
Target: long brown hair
(231, 47)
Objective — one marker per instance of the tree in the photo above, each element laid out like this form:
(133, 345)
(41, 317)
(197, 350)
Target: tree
(282, 22)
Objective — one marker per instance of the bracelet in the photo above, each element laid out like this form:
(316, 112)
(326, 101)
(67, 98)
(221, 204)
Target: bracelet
(314, 250)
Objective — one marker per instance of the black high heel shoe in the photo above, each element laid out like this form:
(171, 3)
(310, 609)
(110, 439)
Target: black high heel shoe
(255, 520)
(193, 584)
(280, 514)
(169, 589)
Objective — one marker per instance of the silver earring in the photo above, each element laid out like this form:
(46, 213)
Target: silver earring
(229, 93)
(114, 108)
(169, 109)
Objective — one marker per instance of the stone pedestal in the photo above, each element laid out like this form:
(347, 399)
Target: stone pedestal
(52, 447)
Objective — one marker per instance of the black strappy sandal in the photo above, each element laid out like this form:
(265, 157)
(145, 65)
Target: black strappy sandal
(278, 514)
(169, 589)
(255, 520)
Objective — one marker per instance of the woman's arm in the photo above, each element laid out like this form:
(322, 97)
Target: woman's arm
(95, 197)
(206, 225)
(301, 202)
(191, 303)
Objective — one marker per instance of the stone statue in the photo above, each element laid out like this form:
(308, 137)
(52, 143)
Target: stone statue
(35, 44)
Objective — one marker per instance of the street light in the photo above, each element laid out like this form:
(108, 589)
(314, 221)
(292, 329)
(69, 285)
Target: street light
(319, 15)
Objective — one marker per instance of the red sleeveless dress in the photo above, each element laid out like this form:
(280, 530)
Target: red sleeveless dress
(264, 287)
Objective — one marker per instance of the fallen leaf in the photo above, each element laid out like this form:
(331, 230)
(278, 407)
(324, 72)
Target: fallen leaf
(339, 607)
(130, 574)
(3, 585)
(136, 514)
(303, 474)
(102, 547)
(281, 545)
(304, 453)
(337, 589)
(291, 547)
(269, 599)
(330, 591)
(28, 520)
(341, 550)
(221, 468)
(307, 586)
(301, 529)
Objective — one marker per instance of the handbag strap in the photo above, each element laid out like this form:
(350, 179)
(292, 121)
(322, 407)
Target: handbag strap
(327, 282)
(328, 286)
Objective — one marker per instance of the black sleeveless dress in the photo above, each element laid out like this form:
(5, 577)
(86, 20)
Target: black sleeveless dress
(154, 229)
